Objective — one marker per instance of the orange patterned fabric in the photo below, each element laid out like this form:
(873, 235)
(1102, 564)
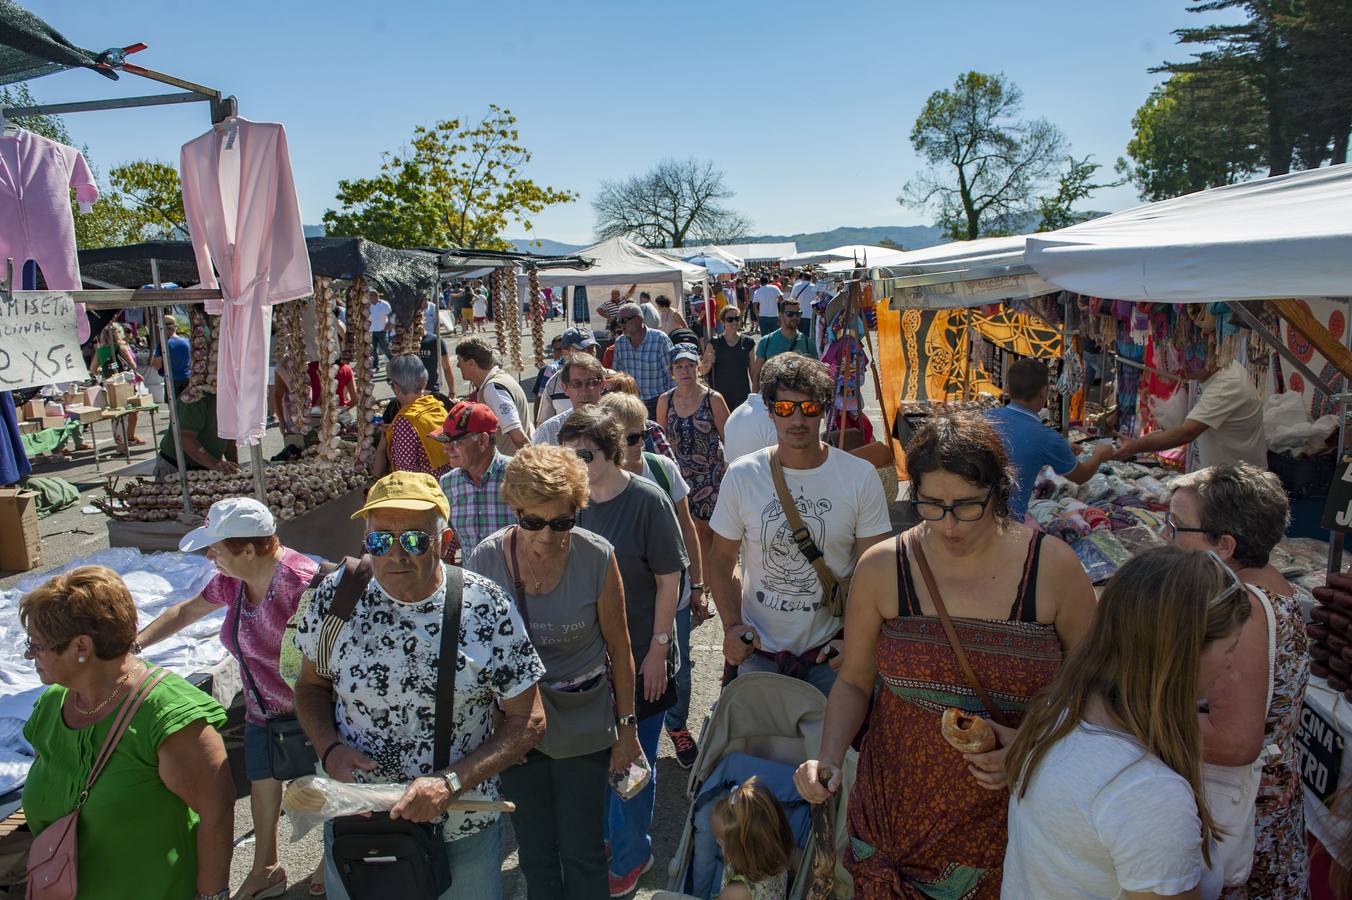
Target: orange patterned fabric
(920, 826)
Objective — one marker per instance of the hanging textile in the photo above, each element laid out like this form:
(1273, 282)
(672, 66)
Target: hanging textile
(14, 463)
(36, 175)
(244, 221)
(580, 311)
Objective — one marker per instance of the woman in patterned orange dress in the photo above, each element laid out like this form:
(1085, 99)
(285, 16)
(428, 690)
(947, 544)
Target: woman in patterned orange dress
(926, 821)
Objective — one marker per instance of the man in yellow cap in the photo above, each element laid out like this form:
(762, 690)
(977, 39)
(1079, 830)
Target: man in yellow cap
(366, 694)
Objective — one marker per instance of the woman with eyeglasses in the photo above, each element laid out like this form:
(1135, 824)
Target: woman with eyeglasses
(926, 819)
(1240, 512)
(1106, 772)
(566, 584)
(639, 521)
(727, 360)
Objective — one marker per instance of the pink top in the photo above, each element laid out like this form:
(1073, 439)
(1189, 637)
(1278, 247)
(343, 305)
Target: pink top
(260, 631)
(36, 175)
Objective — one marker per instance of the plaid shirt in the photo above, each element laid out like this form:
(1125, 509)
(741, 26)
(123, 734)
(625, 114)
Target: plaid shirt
(477, 510)
(649, 362)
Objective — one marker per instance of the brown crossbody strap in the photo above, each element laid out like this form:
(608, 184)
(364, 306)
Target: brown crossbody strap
(801, 536)
(918, 554)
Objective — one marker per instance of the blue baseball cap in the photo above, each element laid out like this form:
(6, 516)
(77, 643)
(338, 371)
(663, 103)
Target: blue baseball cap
(578, 338)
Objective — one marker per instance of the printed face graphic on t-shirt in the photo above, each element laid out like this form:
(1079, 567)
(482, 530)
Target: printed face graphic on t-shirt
(787, 571)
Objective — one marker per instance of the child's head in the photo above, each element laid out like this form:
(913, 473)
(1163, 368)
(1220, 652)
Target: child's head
(751, 828)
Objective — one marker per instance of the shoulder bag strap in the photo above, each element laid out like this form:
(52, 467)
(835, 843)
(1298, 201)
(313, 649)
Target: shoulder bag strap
(918, 554)
(514, 570)
(244, 666)
(659, 472)
(125, 713)
(446, 666)
(801, 536)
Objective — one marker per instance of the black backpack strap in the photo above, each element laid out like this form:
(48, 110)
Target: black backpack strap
(446, 668)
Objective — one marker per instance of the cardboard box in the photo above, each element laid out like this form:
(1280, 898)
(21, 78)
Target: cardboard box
(141, 400)
(52, 421)
(29, 427)
(84, 414)
(117, 395)
(20, 540)
(93, 396)
(33, 409)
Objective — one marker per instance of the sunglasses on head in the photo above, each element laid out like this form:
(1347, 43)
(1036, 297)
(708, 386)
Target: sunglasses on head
(415, 543)
(538, 523)
(785, 408)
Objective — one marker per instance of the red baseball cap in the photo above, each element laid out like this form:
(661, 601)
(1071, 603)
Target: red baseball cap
(466, 418)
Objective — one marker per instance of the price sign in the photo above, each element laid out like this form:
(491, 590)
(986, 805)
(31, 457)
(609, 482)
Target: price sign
(1338, 509)
(37, 340)
(1321, 752)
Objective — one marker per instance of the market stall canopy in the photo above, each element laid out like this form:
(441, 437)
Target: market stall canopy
(619, 263)
(1288, 236)
(692, 255)
(961, 274)
(459, 263)
(129, 266)
(30, 48)
(714, 265)
(846, 253)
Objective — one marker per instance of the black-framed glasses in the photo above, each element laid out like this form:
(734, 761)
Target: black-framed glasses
(633, 438)
(589, 384)
(585, 455)
(539, 523)
(785, 408)
(415, 543)
(1172, 529)
(963, 510)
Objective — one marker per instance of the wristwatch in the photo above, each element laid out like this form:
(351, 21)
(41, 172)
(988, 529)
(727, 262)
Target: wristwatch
(622, 721)
(699, 586)
(662, 637)
(452, 782)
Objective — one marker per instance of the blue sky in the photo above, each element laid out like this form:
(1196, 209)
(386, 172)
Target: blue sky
(806, 106)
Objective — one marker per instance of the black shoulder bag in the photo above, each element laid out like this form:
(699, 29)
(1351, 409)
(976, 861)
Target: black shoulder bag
(290, 753)
(379, 857)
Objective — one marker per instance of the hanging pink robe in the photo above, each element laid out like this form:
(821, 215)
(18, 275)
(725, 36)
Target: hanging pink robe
(244, 221)
(36, 175)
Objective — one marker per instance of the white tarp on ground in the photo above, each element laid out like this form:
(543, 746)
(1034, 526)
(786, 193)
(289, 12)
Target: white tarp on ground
(157, 581)
(620, 263)
(1289, 236)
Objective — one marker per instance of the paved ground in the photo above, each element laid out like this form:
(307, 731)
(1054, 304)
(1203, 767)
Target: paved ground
(72, 533)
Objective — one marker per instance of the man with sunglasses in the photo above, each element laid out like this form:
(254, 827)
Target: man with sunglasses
(776, 621)
(373, 720)
(788, 339)
(644, 353)
(474, 486)
(583, 379)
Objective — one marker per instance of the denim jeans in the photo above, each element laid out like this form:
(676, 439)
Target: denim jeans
(821, 676)
(380, 341)
(677, 716)
(559, 821)
(476, 865)
(768, 324)
(629, 822)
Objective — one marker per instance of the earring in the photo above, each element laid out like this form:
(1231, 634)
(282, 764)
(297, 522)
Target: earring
(81, 659)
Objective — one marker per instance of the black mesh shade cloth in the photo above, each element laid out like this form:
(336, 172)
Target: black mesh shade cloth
(30, 48)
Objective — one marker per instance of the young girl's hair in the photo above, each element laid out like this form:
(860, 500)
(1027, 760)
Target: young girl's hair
(753, 831)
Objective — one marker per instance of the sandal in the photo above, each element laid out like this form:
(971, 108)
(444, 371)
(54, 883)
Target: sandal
(316, 887)
(275, 887)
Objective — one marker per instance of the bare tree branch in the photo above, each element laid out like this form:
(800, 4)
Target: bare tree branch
(675, 202)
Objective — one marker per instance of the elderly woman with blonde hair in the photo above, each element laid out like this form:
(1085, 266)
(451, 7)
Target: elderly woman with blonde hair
(566, 583)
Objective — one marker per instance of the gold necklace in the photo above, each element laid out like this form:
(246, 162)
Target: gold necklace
(537, 582)
(109, 699)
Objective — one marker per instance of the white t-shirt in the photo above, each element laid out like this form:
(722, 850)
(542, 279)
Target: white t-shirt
(652, 316)
(430, 319)
(1233, 413)
(766, 297)
(380, 314)
(839, 501)
(748, 429)
(498, 400)
(679, 491)
(480, 305)
(1102, 816)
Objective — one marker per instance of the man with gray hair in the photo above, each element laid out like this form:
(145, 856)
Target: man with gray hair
(644, 353)
(407, 445)
(374, 641)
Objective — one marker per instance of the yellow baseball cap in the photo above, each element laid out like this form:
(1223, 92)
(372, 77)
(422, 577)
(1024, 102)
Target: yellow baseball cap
(405, 490)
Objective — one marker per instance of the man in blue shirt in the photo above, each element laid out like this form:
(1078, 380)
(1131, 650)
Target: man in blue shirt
(1031, 444)
(180, 356)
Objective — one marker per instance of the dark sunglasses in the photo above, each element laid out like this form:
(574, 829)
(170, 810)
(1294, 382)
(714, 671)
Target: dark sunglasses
(793, 315)
(732, 318)
(585, 455)
(415, 543)
(626, 320)
(785, 408)
(632, 439)
(536, 523)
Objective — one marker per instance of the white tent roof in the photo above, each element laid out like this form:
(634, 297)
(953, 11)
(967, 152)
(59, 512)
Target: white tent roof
(619, 261)
(983, 252)
(1289, 236)
(964, 273)
(847, 252)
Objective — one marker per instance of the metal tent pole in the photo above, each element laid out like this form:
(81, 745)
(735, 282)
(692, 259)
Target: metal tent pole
(171, 400)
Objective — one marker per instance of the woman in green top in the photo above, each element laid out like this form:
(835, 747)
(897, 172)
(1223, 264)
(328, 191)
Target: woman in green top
(159, 820)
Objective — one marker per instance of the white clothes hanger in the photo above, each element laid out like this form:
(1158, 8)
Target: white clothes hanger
(7, 127)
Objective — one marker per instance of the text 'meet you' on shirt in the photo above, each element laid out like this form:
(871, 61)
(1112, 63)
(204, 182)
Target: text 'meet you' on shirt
(1102, 816)
(1030, 445)
(839, 501)
(385, 663)
(1233, 413)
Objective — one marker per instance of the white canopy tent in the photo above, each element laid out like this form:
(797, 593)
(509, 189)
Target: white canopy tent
(846, 253)
(620, 263)
(962, 273)
(1275, 238)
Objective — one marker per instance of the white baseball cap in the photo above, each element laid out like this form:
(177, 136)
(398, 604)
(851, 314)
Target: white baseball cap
(234, 517)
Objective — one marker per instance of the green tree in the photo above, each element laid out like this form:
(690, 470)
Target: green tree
(456, 185)
(1076, 183)
(153, 196)
(1197, 130)
(987, 166)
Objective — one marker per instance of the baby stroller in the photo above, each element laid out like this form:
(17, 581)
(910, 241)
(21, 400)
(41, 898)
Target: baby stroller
(765, 725)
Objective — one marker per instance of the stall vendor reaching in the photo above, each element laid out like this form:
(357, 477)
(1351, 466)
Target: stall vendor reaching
(1226, 422)
(203, 447)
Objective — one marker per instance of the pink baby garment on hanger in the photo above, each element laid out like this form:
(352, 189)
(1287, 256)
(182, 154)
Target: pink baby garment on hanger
(36, 175)
(244, 220)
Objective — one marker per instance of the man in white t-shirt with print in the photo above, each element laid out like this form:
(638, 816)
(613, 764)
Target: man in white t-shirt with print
(1226, 423)
(766, 300)
(776, 620)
